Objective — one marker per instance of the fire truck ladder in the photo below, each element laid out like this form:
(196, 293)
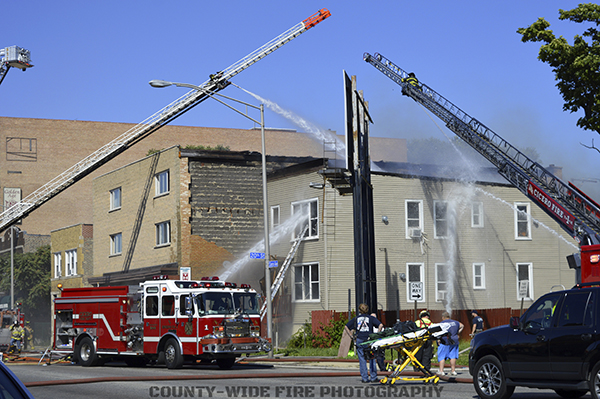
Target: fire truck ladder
(512, 164)
(16, 57)
(284, 267)
(216, 83)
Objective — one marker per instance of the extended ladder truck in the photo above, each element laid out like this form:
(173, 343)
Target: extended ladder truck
(216, 83)
(13, 57)
(574, 211)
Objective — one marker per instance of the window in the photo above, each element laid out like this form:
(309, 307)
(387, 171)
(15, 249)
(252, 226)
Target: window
(414, 217)
(477, 214)
(275, 217)
(116, 242)
(161, 183)
(309, 213)
(577, 310)
(540, 313)
(71, 262)
(152, 305)
(522, 221)
(441, 282)
(306, 282)
(163, 233)
(440, 215)
(115, 199)
(524, 281)
(414, 271)
(479, 276)
(57, 265)
(168, 305)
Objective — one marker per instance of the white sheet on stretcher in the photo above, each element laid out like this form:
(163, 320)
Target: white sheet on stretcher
(398, 339)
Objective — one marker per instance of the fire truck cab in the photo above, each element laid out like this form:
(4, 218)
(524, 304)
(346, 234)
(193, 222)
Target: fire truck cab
(159, 319)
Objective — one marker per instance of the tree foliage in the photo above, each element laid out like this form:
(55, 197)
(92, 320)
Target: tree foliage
(577, 66)
(31, 281)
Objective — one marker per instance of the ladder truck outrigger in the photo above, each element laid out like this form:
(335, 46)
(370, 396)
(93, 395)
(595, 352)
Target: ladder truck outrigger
(574, 211)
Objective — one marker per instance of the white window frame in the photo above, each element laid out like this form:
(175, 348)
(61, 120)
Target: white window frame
(116, 244)
(518, 221)
(275, 216)
(115, 199)
(435, 219)
(409, 229)
(163, 233)
(309, 267)
(421, 279)
(477, 214)
(71, 263)
(57, 265)
(438, 293)
(530, 278)
(312, 220)
(480, 275)
(160, 180)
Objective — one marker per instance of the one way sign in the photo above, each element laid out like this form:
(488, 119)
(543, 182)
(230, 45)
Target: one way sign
(416, 291)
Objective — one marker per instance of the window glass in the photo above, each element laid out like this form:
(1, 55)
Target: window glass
(541, 312)
(574, 311)
(116, 244)
(152, 305)
(522, 222)
(168, 305)
(163, 233)
(57, 265)
(218, 302)
(115, 198)
(309, 211)
(246, 302)
(441, 219)
(306, 282)
(162, 183)
(477, 214)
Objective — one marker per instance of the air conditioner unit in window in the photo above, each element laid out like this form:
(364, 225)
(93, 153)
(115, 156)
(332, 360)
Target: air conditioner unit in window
(416, 233)
(441, 295)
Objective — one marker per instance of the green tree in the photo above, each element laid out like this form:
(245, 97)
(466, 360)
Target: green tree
(576, 67)
(31, 281)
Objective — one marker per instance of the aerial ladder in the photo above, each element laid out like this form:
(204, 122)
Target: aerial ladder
(577, 214)
(215, 83)
(15, 57)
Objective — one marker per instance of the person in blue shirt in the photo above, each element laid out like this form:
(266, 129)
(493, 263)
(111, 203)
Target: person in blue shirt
(448, 344)
(363, 326)
(477, 323)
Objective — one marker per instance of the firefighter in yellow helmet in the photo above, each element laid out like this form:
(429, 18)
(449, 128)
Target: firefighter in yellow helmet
(424, 354)
(16, 336)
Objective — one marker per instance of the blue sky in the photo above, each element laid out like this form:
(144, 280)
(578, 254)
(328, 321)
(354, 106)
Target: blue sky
(93, 61)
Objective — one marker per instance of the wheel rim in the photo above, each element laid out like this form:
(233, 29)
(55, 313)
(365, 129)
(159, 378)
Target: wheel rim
(489, 379)
(170, 354)
(597, 384)
(84, 354)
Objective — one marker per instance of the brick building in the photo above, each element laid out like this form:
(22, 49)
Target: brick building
(34, 151)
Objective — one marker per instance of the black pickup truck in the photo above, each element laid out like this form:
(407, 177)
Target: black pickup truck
(554, 345)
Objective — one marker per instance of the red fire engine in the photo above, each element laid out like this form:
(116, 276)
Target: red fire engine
(177, 320)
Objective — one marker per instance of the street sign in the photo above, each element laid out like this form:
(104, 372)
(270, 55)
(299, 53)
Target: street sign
(257, 255)
(416, 290)
(273, 263)
(185, 273)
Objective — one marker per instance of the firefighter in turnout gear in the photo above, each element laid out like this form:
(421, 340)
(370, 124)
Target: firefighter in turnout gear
(16, 337)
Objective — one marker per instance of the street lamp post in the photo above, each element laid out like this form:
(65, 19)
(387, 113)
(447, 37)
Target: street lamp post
(162, 83)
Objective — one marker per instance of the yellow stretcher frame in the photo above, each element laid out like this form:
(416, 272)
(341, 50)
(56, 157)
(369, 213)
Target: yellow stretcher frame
(407, 348)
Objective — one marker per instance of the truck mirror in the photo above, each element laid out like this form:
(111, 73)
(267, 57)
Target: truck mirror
(188, 304)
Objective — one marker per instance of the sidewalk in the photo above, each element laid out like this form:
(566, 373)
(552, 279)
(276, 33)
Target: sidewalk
(348, 365)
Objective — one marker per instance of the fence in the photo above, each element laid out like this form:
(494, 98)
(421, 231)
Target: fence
(491, 317)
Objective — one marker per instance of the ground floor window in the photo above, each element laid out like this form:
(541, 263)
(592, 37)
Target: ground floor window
(306, 282)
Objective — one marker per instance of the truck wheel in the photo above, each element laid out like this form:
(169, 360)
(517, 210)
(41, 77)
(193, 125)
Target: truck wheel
(489, 381)
(173, 356)
(86, 353)
(226, 363)
(594, 382)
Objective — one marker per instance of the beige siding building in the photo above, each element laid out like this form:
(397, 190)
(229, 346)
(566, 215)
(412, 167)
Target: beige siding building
(465, 244)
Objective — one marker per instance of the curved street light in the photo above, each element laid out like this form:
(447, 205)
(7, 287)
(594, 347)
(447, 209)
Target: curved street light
(163, 83)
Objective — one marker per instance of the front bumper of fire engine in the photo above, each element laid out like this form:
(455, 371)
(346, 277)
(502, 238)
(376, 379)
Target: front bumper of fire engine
(236, 346)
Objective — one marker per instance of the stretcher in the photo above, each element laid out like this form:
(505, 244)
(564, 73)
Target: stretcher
(407, 345)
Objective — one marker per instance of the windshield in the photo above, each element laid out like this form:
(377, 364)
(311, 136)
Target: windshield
(246, 302)
(216, 303)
